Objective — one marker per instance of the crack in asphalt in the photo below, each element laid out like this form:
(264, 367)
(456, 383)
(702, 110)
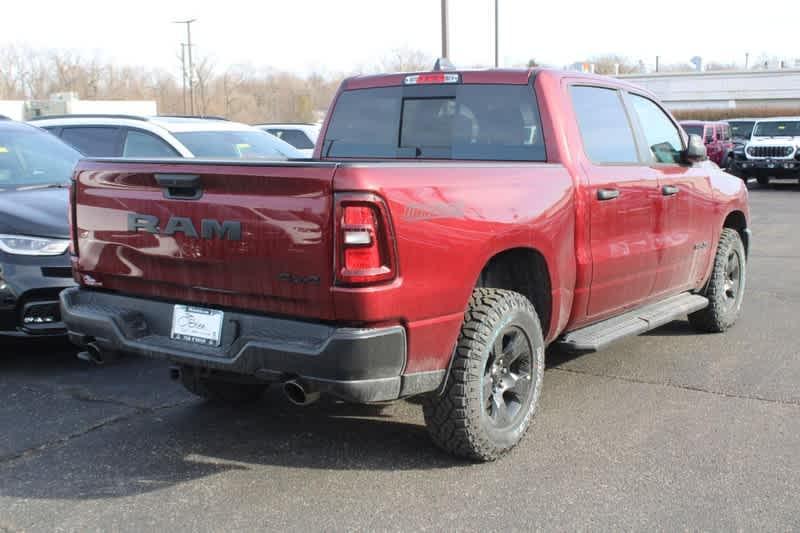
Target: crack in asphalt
(793, 403)
(55, 443)
(82, 395)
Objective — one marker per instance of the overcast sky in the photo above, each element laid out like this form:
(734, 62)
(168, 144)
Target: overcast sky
(345, 35)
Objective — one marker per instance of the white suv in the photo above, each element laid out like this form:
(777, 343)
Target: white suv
(301, 136)
(773, 150)
(164, 136)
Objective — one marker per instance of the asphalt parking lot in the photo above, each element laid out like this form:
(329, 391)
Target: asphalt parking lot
(670, 430)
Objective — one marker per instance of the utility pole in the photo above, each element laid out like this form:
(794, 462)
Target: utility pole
(445, 32)
(496, 33)
(183, 75)
(188, 23)
(657, 61)
(746, 60)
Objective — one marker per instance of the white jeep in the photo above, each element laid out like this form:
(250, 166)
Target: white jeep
(773, 150)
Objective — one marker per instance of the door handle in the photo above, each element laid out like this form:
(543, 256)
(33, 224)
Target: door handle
(669, 190)
(607, 194)
(180, 186)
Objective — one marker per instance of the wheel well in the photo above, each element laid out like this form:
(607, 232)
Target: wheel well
(523, 270)
(736, 220)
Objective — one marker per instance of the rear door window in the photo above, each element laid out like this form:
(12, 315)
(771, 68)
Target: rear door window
(480, 122)
(144, 144)
(93, 141)
(605, 129)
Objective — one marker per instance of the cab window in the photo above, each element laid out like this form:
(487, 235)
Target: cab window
(605, 129)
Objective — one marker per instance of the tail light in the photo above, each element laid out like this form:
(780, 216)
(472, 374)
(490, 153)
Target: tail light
(73, 234)
(365, 245)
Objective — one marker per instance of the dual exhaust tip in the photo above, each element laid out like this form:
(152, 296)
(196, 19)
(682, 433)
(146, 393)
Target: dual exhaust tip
(300, 392)
(94, 354)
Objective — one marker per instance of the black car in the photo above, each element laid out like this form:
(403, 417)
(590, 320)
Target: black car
(741, 130)
(35, 170)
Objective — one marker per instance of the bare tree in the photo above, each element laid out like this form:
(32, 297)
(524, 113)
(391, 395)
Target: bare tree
(405, 60)
(608, 63)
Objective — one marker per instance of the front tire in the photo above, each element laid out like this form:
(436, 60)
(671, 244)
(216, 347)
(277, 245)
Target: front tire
(725, 289)
(495, 379)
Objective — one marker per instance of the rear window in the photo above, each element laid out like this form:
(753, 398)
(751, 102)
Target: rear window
(232, 144)
(482, 122)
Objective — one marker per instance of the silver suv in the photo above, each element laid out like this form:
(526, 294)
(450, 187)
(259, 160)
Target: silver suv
(164, 136)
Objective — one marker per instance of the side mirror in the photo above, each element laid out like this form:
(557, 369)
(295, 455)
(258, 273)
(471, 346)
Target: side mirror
(696, 150)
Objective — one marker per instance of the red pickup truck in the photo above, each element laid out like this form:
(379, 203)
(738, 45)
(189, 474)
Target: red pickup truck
(452, 225)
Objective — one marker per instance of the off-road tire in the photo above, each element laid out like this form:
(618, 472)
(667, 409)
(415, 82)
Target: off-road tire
(722, 311)
(457, 420)
(221, 392)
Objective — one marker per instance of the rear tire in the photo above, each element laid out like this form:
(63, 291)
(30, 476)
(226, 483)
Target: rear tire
(221, 392)
(495, 380)
(725, 289)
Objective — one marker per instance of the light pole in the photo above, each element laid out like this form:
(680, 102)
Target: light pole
(445, 31)
(188, 23)
(496, 34)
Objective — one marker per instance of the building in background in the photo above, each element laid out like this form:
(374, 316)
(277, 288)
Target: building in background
(13, 109)
(748, 90)
(70, 104)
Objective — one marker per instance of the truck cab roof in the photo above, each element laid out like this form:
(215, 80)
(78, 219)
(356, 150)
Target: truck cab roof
(502, 76)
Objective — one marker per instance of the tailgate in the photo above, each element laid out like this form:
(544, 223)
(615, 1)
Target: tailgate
(250, 236)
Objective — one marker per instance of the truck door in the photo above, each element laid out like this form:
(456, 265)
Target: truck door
(622, 196)
(682, 236)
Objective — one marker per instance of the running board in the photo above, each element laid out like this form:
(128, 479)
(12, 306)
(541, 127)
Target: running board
(598, 336)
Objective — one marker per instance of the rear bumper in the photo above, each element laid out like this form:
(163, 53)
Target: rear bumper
(357, 364)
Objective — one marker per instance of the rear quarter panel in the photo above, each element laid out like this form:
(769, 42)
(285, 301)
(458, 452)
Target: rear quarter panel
(450, 219)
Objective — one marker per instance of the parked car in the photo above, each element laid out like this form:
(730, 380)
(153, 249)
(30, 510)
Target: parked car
(451, 227)
(35, 169)
(715, 135)
(773, 150)
(158, 137)
(741, 130)
(301, 136)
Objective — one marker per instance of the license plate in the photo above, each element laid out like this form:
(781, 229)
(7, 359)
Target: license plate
(197, 325)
